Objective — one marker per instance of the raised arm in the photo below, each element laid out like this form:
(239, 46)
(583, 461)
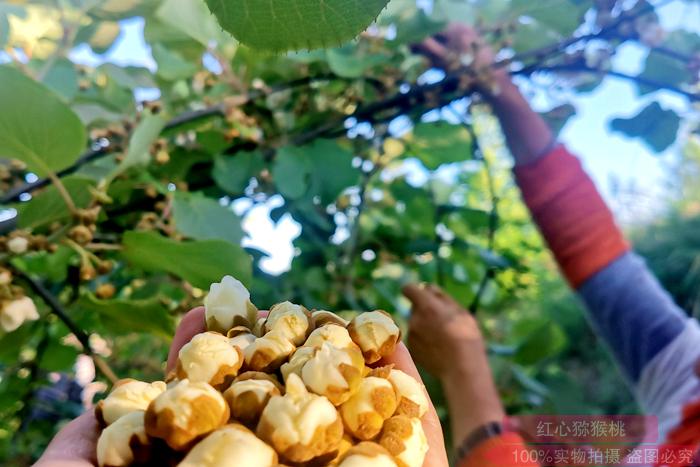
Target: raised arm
(653, 341)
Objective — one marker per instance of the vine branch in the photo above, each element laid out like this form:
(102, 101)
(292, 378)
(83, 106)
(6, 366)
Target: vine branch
(58, 310)
(582, 68)
(493, 214)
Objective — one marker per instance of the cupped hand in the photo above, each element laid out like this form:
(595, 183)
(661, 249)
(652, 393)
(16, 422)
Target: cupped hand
(75, 445)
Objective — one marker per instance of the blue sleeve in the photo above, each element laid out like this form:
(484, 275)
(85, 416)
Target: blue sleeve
(632, 312)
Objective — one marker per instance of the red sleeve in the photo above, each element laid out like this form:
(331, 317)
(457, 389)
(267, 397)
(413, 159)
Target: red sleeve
(500, 451)
(574, 219)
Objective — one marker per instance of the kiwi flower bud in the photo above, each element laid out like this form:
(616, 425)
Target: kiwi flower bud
(230, 445)
(367, 454)
(128, 395)
(241, 337)
(301, 426)
(186, 412)
(210, 358)
(249, 394)
(364, 413)
(332, 333)
(410, 394)
(268, 352)
(376, 334)
(297, 362)
(331, 372)
(322, 317)
(124, 442)
(259, 327)
(228, 305)
(293, 321)
(14, 313)
(405, 439)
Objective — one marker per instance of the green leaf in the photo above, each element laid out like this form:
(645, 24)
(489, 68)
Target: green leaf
(130, 77)
(440, 143)
(35, 126)
(198, 262)
(290, 171)
(125, 316)
(12, 343)
(348, 62)
(543, 342)
(192, 18)
(51, 266)
(232, 173)
(202, 218)
(172, 66)
(140, 143)
(282, 25)
(661, 68)
(48, 206)
(562, 16)
(656, 126)
(557, 117)
(412, 24)
(62, 78)
(58, 357)
(331, 168)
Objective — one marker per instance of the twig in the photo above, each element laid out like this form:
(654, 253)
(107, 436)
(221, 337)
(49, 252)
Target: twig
(581, 68)
(87, 157)
(63, 192)
(33, 367)
(58, 310)
(182, 119)
(103, 247)
(548, 51)
(670, 53)
(354, 238)
(493, 215)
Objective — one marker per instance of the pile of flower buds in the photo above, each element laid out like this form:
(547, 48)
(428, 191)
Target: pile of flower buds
(291, 388)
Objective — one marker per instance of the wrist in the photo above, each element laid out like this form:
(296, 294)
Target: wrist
(504, 92)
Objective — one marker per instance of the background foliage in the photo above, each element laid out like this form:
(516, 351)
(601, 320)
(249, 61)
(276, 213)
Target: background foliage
(124, 208)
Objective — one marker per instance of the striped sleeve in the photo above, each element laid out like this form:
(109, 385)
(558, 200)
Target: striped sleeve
(626, 304)
(572, 216)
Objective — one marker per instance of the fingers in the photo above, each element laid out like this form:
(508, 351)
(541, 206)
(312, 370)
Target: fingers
(429, 298)
(433, 49)
(191, 325)
(416, 293)
(74, 445)
(437, 455)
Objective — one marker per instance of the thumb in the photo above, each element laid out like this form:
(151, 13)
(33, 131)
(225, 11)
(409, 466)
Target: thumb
(191, 325)
(74, 446)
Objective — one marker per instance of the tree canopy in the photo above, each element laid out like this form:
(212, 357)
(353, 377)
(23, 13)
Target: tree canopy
(126, 210)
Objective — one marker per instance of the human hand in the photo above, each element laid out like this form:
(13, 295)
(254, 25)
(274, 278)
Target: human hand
(445, 339)
(440, 329)
(75, 445)
(459, 46)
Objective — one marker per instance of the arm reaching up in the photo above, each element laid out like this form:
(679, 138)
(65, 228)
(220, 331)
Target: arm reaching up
(653, 341)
